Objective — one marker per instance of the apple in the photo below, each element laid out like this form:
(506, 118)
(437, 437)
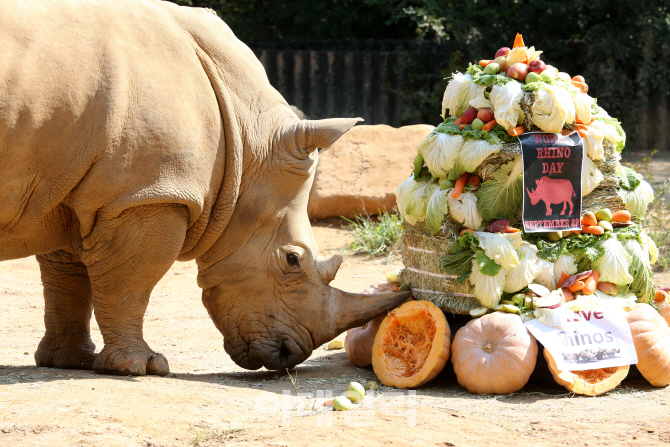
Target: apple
(485, 115)
(536, 66)
(518, 71)
(469, 116)
(502, 62)
(492, 68)
(532, 77)
(477, 124)
(503, 51)
(551, 67)
(548, 75)
(563, 76)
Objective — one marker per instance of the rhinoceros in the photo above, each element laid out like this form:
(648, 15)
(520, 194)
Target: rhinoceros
(134, 133)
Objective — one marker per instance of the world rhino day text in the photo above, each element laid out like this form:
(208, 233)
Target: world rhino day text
(552, 152)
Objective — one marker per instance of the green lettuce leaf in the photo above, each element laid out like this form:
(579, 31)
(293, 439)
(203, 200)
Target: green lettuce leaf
(470, 134)
(459, 260)
(486, 265)
(449, 127)
(629, 179)
(481, 78)
(437, 207)
(501, 197)
(640, 269)
(502, 134)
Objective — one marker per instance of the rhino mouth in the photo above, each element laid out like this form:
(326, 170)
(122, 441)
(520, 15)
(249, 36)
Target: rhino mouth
(278, 355)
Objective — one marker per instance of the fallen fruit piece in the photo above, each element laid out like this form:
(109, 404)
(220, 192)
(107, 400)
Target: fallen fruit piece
(518, 298)
(341, 403)
(608, 288)
(479, 312)
(538, 289)
(593, 382)
(371, 386)
(354, 396)
(355, 386)
(528, 301)
(622, 216)
(511, 309)
(335, 344)
(567, 295)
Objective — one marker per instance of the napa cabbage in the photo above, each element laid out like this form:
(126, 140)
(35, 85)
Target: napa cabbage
(525, 271)
(464, 210)
(615, 264)
(440, 152)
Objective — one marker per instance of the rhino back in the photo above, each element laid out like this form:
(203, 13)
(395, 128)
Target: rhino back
(104, 105)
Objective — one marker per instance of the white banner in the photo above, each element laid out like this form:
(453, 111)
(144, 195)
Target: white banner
(591, 339)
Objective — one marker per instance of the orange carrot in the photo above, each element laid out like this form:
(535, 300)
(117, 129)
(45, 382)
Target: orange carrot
(395, 288)
(581, 86)
(489, 126)
(484, 62)
(460, 184)
(596, 275)
(513, 230)
(462, 126)
(518, 41)
(578, 78)
(564, 276)
(567, 295)
(577, 286)
(589, 285)
(660, 295)
(577, 232)
(458, 120)
(466, 230)
(621, 216)
(589, 219)
(474, 180)
(516, 131)
(593, 229)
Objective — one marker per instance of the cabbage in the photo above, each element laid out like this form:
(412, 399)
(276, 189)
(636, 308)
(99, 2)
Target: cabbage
(440, 152)
(488, 289)
(481, 103)
(525, 271)
(494, 93)
(546, 276)
(583, 104)
(501, 197)
(565, 264)
(474, 152)
(614, 264)
(437, 207)
(640, 268)
(450, 98)
(591, 176)
(506, 104)
(498, 248)
(514, 238)
(464, 210)
(609, 132)
(553, 107)
(412, 198)
(594, 143)
(651, 248)
(638, 199)
(468, 91)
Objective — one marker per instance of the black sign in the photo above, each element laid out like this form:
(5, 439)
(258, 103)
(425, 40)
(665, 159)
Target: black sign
(552, 181)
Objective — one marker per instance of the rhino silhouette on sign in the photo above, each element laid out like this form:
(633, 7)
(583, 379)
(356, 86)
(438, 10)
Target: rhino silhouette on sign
(552, 191)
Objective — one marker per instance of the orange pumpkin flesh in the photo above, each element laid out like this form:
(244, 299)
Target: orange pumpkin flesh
(412, 345)
(494, 354)
(651, 336)
(593, 382)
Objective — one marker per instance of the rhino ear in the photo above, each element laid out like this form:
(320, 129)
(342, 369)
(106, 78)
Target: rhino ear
(309, 135)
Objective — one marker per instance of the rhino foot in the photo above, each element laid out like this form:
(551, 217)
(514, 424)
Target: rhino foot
(52, 353)
(130, 362)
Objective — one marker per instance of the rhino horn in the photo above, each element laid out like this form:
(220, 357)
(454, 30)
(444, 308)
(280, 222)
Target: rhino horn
(312, 134)
(349, 310)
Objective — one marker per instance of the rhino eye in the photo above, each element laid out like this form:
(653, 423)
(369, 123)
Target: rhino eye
(292, 259)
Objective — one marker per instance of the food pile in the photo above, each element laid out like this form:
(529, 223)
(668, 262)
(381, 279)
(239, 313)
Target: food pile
(465, 250)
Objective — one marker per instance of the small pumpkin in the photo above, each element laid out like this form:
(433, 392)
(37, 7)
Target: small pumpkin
(592, 382)
(412, 345)
(494, 354)
(651, 336)
(359, 340)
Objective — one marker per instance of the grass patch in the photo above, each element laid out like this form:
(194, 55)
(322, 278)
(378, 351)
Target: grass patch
(376, 236)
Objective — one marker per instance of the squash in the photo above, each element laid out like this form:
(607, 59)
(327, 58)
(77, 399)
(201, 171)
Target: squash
(412, 345)
(651, 336)
(592, 382)
(494, 354)
(359, 340)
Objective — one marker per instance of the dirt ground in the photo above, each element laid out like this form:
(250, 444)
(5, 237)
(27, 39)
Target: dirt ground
(207, 400)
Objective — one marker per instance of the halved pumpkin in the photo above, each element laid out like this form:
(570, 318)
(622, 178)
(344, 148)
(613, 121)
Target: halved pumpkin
(494, 354)
(593, 382)
(412, 345)
(651, 336)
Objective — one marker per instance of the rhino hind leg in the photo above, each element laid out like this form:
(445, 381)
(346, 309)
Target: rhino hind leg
(127, 257)
(67, 313)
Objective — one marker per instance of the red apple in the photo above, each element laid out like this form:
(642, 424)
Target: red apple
(518, 71)
(536, 66)
(503, 51)
(469, 116)
(485, 115)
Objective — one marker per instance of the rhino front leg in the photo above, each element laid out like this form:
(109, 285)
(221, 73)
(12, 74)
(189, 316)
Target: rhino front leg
(126, 257)
(67, 313)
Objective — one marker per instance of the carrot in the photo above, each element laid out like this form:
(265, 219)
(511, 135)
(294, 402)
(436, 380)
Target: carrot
(460, 184)
(593, 229)
(581, 86)
(582, 130)
(489, 126)
(577, 286)
(328, 403)
(458, 120)
(566, 132)
(462, 126)
(518, 41)
(589, 285)
(474, 180)
(578, 78)
(567, 295)
(621, 216)
(596, 274)
(564, 276)
(577, 232)
(512, 230)
(466, 230)
(485, 62)
(395, 288)
(589, 219)
(516, 131)
(660, 295)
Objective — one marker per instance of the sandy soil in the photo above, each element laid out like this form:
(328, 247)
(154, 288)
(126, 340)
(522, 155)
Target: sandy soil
(208, 400)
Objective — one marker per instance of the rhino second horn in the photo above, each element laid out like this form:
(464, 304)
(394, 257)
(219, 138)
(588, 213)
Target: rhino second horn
(312, 134)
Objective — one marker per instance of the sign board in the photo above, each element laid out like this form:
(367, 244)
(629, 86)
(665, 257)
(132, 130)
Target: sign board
(591, 339)
(552, 181)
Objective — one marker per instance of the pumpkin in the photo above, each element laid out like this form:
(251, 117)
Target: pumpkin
(494, 354)
(651, 336)
(359, 340)
(593, 382)
(412, 345)
(664, 309)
